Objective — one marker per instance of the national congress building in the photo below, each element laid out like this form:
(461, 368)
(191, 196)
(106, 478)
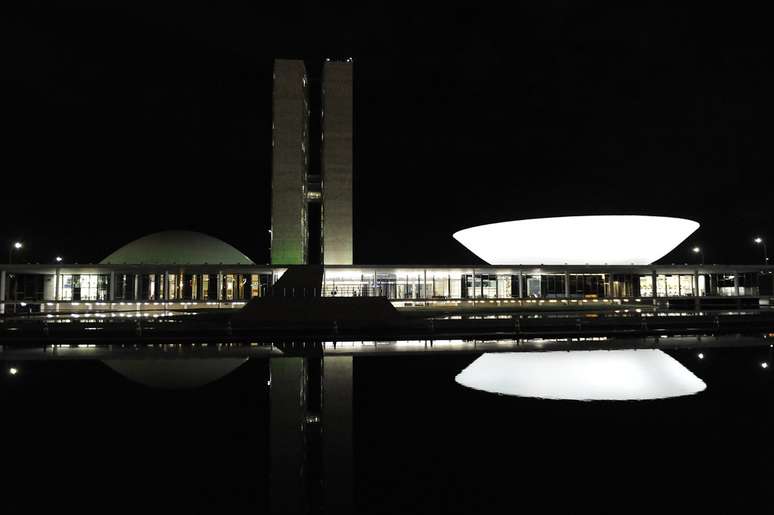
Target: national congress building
(311, 222)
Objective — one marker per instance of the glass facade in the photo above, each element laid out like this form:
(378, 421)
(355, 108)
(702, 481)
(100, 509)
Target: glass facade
(84, 287)
(702, 285)
(436, 284)
(426, 284)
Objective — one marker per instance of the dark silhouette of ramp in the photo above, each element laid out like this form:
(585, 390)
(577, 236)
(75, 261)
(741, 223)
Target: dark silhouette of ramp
(299, 281)
(317, 309)
(295, 300)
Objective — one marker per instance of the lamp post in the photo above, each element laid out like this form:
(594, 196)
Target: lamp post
(58, 259)
(697, 250)
(760, 241)
(17, 245)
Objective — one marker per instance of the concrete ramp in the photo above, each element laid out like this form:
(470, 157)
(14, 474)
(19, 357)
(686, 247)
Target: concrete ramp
(294, 303)
(299, 281)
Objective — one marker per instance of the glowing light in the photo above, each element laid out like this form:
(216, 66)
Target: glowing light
(17, 245)
(582, 375)
(696, 250)
(764, 365)
(758, 239)
(701, 355)
(13, 371)
(58, 259)
(599, 239)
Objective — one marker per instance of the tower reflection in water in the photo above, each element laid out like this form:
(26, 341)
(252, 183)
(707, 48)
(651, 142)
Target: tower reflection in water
(595, 375)
(310, 419)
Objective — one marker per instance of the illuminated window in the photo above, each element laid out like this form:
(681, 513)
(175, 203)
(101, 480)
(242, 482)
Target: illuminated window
(646, 286)
(172, 287)
(205, 286)
(65, 287)
(88, 287)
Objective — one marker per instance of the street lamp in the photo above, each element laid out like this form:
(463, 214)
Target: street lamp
(58, 259)
(760, 241)
(697, 250)
(17, 245)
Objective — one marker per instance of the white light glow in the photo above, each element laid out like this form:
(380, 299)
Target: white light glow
(596, 240)
(13, 371)
(582, 375)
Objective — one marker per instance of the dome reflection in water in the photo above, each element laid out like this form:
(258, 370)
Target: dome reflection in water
(175, 373)
(582, 375)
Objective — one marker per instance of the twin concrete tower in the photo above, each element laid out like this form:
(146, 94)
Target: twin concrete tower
(294, 185)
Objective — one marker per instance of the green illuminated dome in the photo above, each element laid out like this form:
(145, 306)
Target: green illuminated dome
(177, 247)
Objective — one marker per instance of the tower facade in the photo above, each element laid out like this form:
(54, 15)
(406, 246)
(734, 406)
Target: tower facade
(294, 186)
(336, 163)
(290, 163)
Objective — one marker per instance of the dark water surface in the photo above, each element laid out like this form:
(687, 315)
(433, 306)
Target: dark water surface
(79, 436)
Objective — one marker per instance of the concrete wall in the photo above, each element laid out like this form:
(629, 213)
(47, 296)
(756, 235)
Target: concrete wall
(290, 161)
(337, 163)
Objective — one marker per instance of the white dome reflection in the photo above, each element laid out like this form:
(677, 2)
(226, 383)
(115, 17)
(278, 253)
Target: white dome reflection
(175, 373)
(582, 375)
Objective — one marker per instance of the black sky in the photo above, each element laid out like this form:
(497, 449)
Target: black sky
(121, 121)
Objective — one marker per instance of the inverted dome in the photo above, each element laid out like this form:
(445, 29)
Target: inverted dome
(582, 375)
(578, 240)
(175, 373)
(177, 247)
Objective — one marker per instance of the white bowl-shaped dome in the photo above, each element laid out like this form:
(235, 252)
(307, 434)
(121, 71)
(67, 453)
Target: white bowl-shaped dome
(578, 240)
(595, 375)
(177, 247)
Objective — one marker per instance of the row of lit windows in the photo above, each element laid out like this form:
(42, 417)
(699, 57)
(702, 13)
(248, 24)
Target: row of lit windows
(96, 287)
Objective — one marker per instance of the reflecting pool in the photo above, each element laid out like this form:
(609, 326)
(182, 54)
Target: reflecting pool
(376, 433)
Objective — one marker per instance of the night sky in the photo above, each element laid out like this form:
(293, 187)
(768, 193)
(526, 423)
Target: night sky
(121, 121)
